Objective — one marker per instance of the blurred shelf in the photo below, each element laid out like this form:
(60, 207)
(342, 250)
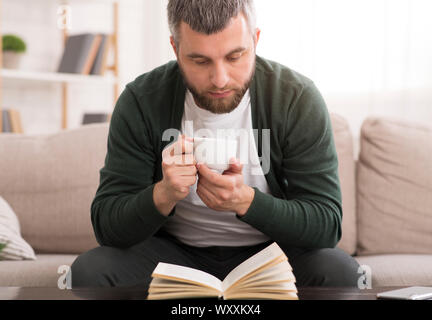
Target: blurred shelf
(69, 78)
(56, 77)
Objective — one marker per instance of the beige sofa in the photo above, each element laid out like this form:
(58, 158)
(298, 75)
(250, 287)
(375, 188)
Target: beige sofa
(50, 181)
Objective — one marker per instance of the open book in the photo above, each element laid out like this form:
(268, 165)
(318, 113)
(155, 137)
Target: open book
(265, 275)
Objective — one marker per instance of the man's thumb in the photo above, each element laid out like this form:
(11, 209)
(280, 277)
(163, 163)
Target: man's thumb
(235, 166)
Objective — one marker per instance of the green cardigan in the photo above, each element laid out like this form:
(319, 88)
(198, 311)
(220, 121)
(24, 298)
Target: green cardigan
(304, 209)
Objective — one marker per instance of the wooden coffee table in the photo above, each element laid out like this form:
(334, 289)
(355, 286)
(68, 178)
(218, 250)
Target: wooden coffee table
(136, 293)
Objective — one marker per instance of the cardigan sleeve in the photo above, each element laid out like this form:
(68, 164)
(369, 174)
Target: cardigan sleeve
(311, 214)
(123, 212)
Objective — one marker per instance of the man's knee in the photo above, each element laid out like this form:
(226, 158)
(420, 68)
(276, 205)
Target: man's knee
(330, 267)
(90, 269)
(112, 267)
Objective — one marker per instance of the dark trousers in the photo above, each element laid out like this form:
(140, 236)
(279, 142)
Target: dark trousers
(108, 266)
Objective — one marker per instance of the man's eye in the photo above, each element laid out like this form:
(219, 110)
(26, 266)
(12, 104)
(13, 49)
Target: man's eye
(201, 62)
(234, 58)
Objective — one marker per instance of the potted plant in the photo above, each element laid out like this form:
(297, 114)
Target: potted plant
(13, 48)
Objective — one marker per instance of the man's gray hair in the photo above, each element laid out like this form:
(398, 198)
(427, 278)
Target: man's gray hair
(208, 16)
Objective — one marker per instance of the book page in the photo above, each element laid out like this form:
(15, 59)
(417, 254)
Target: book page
(185, 289)
(161, 282)
(186, 274)
(258, 260)
(270, 279)
(281, 270)
(274, 287)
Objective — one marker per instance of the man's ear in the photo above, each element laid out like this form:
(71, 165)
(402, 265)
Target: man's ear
(257, 36)
(173, 45)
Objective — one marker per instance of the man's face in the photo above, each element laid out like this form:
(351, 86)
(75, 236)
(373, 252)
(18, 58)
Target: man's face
(217, 68)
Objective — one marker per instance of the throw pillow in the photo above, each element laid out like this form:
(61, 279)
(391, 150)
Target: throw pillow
(394, 187)
(16, 248)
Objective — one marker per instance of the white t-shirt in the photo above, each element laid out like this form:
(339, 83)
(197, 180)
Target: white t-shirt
(194, 223)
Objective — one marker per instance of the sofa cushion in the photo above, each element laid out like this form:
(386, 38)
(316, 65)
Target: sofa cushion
(399, 269)
(13, 246)
(394, 183)
(344, 147)
(42, 272)
(50, 181)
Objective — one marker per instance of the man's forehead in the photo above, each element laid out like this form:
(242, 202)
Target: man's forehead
(235, 37)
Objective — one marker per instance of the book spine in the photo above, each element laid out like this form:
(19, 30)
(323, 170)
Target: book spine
(108, 46)
(7, 123)
(18, 117)
(15, 121)
(92, 54)
(98, 67)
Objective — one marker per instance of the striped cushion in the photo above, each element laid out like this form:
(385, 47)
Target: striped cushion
(10, 235)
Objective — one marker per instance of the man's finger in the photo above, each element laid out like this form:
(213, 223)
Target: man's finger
(187, 145)
(205, 184)
(188, 180)
(184, 145)
(214, 177)
(186, 170)
(205, 195)
(235, 167)
(180, 160)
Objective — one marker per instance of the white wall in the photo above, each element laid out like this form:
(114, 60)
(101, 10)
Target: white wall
(369, 57)
(157, 49)
(141, 48)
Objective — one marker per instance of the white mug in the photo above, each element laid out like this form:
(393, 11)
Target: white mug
(215, 153)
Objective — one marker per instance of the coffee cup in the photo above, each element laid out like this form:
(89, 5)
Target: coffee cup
(215, 153)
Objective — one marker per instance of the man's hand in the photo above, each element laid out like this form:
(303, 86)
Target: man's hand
(226, 192)
(179, 173)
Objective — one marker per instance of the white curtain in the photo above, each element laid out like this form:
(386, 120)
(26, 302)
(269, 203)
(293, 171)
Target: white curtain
(367, 57)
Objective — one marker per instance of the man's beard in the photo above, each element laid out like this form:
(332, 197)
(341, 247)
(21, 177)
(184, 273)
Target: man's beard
(222, 105)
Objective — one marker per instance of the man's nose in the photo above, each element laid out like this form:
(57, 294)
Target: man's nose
(219, 76)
